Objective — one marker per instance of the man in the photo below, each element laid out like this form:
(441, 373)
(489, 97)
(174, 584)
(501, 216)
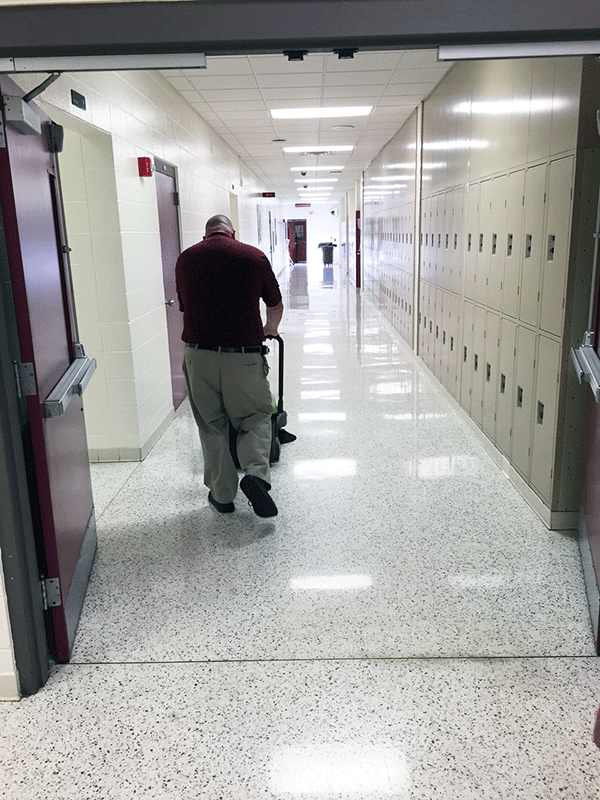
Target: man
(220, 283)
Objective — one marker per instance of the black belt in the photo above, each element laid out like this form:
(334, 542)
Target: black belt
(256, 348)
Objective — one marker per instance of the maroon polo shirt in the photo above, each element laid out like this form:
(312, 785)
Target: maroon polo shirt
(220, 283)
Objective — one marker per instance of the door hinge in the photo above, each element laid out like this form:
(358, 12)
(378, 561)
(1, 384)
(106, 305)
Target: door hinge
(2, 135)
(50, 592)
(24, 379)
(176, 198)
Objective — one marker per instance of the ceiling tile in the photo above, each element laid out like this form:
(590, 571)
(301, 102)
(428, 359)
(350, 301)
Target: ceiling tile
(290, 80)
(357, 78)
(231, 95)
(224, 82)
(277, 65)
(363, 61)
(283, 95)
(232, 105)
(225, 65)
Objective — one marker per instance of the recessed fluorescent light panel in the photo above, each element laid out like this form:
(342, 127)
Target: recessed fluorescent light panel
(318, 113)
(334, 148)
(314, 169)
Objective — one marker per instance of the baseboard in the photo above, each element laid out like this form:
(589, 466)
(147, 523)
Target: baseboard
(112, 454)
(9, 688)
(589, 575)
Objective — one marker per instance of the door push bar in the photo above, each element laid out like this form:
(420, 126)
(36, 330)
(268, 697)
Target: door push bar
(587, 364)
(73, 382)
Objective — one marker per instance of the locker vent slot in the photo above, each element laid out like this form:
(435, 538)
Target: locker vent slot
(475, 362)
(528, 238)
(488, 372)
(509, 245)
(540, 413)
(551, 240)
(481, 242)
(502, 384)
(494, 243)
(519, 397)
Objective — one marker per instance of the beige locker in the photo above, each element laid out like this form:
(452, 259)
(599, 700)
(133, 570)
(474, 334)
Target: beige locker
(496, 244)
(483, 243)
(457, 253)
(437, 333)
(544, 430)
(453, 344)
(471, 238)
(445, 337)
(513, 243)
(490, 375)
(423, 311)
(531, 271)
(506, 385)
(558, 228)
(437, 208)
(425, 231)
(478, 363)
(523, 401)
(466, 356)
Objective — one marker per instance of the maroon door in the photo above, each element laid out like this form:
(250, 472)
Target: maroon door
(297, 240)
(40, 278)
(168, 220)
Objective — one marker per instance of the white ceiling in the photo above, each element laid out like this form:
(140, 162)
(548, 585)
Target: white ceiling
(235, 93)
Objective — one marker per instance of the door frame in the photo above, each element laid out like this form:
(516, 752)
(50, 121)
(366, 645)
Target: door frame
(17, 540)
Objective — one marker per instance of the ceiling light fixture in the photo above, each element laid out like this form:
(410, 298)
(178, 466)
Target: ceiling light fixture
(317, 150)
(310, 169)
(319, 113)
(473, 52)
(315, 180)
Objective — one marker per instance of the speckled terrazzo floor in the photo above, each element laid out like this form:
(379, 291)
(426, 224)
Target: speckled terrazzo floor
(405, 628)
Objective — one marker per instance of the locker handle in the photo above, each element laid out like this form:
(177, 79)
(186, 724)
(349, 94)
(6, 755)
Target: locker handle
(540, 413)
(519, 397)
(551, 241)
(528, 239)
(502, 383)
(509, 245)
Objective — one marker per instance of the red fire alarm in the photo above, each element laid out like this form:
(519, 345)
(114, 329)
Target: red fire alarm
(145, 167)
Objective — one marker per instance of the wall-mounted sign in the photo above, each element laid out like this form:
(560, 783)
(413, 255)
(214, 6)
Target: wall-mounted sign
(268, 194)
(302, 205)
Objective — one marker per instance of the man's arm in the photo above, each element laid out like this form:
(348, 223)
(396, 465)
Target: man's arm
(274, 315)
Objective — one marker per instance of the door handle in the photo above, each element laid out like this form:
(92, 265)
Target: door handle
(169, 302)
(73, 382)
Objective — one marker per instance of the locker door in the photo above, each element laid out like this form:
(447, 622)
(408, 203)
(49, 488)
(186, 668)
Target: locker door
(456, 243)
(466, 357)
(542, 460)
(512, 244)
(437, 333)
(437, 210)
(483, 244)
(445, 251)
(558, 229)
(506, 385)
(523, 400)
(490, 375)
(496, 244)
(452, 342)
(531, 272)
(478, 363)
(422, 317)
(471, 233)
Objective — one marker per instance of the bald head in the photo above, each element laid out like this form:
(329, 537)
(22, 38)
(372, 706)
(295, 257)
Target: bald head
(219, 223)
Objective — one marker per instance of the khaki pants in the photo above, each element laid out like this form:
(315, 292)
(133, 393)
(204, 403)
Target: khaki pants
(224, 388)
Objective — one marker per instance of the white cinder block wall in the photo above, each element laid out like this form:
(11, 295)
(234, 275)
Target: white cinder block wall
(112, 223)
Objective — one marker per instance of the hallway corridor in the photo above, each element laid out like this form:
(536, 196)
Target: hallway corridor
(405, 628)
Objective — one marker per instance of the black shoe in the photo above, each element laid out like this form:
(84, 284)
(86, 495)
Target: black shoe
(285, 436)
(224, 508)
(257, 492)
